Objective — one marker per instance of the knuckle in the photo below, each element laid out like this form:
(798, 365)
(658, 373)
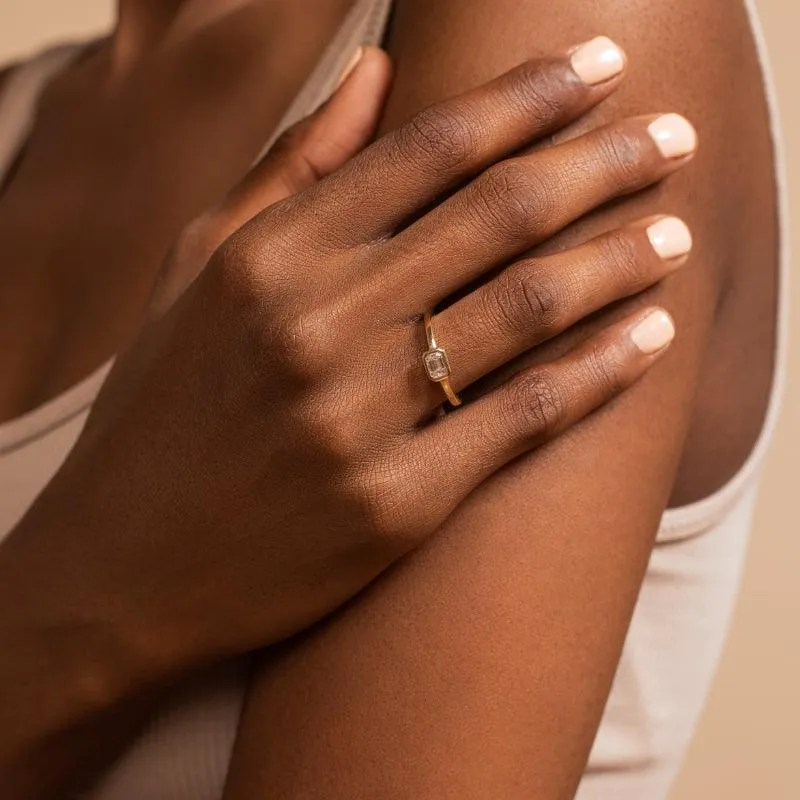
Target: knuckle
(239, 281)
(619, 250)
(439, 135)
(623, 156)
(541, 403)
(537, 88)
(234, 258)
(604, 372)
(541, 303)
(288, 326)
(386, 500)
(255, 255)
(271, 334)
(305, 344)
(514, 199)
(528, 301)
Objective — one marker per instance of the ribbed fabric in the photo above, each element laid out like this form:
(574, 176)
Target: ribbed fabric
(679, 626)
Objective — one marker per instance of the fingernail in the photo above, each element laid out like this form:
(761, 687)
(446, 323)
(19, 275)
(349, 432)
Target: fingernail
(670, 237)
(654, 332)
(674, 135)
(598, 60)
(350, 66)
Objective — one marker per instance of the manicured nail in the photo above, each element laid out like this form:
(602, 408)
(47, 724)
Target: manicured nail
(670, 237)
(654, 332)
(674, 135)
(598, 60)
(351, 65)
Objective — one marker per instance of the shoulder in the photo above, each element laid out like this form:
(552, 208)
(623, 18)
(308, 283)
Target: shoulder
(682, 53)
(683, 57)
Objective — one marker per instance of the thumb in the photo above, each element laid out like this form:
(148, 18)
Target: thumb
(319, 144)
(304, 154)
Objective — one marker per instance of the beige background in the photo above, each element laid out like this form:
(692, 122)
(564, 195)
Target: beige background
(747, 746)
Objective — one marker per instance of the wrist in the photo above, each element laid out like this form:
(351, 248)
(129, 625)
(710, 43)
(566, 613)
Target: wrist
(68, 705)
(68, 655)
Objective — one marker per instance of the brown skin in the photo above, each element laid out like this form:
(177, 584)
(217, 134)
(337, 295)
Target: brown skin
(479, 666)
(152, 109)
(297, 494)
(440, 566)
(55, 737)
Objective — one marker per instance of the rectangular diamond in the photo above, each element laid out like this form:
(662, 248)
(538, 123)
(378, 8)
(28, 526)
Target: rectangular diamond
(436, 364)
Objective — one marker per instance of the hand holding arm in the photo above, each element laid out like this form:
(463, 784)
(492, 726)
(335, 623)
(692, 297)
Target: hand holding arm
(479, 666)
(240, 431)
(79, 682)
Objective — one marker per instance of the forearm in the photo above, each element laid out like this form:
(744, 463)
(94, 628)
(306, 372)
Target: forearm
(108, 591)
(59, 731)
(74, 684)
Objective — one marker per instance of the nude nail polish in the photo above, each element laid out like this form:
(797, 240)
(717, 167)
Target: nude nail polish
(674, 135)
(670, 237)
(654, 332)
(350, 66)
(598, 60)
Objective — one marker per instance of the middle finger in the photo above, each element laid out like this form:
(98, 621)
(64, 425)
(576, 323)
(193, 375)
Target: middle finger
(523, 201)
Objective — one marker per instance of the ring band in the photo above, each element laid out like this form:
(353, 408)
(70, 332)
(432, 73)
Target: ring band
(436, 364)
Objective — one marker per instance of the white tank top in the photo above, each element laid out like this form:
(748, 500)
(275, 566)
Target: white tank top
(671, 651)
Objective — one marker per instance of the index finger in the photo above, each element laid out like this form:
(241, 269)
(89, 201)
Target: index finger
(447, 143)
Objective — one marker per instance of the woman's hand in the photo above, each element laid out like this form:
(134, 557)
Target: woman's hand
(270, 445)
(271, 442)
(56, 735)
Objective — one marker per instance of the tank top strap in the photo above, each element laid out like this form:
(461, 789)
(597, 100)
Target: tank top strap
(20, 96)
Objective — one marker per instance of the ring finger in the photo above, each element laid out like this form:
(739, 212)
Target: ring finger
(535, 299)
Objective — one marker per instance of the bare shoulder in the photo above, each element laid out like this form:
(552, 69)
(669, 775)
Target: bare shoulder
(695, 57)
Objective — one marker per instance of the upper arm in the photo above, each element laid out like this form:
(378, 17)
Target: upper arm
(479, 666)
(694, 57)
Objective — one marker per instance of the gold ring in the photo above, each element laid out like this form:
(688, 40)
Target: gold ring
(436, 364)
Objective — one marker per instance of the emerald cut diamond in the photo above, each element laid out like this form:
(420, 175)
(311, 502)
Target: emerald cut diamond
(436, 364)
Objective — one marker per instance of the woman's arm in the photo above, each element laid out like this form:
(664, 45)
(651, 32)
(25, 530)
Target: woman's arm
(236, 438)
(57, 733)
(479, 667)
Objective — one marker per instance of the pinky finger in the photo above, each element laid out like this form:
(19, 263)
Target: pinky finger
(542, 402)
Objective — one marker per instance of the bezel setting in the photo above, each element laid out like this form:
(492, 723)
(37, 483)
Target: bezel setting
(436, 364)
